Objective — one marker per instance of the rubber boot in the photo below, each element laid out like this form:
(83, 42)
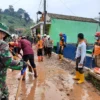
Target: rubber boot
(38, 58)
(35, 72)
(61, 57)
(24, 75)
(81, 79)
(76, 77)
(41, 58)
(49, 55)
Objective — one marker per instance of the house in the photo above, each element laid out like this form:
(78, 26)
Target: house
(69, 25)
(19, 30)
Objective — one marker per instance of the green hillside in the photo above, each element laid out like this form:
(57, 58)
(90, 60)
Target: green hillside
(15, 21)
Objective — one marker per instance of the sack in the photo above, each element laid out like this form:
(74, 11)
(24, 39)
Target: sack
(97, 70)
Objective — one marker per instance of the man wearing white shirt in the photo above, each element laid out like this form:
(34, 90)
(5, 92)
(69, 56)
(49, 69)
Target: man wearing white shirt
(80, 58)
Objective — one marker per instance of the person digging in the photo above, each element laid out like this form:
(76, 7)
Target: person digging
(28, 54)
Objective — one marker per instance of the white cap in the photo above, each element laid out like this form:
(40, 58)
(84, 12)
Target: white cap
(45, 35)
(48, 36)
(14, 36)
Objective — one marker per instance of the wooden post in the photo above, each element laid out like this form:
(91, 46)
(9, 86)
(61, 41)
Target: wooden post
(18, 90)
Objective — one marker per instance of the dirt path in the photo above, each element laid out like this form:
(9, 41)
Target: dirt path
(53, 83)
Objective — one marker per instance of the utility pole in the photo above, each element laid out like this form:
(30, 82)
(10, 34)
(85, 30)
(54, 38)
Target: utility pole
(37, 17)
(44, 16)
(98, 22)
(99, 18)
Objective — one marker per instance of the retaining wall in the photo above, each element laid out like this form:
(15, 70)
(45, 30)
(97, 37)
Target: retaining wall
(69, 52)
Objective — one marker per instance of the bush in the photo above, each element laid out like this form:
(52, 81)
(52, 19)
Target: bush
(11, 21)
(94, 81)
(5, 17)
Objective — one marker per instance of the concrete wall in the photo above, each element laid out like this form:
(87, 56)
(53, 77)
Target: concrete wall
(69, 52)
(71, 29)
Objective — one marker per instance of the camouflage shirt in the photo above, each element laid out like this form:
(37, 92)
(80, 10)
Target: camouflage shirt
(6, 62)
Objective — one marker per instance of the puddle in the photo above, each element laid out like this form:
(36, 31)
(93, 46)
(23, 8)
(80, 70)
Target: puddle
(85, 96)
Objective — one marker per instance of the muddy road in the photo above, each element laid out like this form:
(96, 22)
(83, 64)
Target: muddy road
(54, 82)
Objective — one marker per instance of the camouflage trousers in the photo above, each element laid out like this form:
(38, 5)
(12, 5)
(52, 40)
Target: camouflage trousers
(3, 86)
(4, 93)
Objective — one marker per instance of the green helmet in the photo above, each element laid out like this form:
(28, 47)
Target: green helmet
(4, 29)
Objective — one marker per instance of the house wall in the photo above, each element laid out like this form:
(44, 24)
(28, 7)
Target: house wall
(71, 29)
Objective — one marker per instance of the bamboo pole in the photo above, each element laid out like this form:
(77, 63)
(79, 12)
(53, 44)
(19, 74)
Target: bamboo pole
(19, 87)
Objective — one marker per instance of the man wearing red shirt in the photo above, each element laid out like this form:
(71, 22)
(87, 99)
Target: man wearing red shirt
(28, 53)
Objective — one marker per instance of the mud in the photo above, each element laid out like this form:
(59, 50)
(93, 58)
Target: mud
(54, 82)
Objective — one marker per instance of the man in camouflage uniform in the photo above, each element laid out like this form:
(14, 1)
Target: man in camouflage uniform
(6, 62)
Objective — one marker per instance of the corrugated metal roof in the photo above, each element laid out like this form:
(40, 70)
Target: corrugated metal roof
(75, 18)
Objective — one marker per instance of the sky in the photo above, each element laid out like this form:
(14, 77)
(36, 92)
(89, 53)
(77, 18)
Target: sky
(83, 8)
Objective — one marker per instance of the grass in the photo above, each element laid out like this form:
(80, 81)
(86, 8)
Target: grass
(94, 81)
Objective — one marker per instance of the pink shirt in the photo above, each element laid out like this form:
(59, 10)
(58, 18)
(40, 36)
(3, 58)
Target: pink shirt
(26, 46)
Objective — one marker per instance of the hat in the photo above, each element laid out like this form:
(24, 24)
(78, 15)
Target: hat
(45, 35)
(97, 38)
(48, 36)
(4, 29)
(23, 37)
(97, 34)
(60, 34)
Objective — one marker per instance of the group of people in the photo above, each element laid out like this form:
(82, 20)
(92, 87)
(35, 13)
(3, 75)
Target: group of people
(44, 48)
(80, 55)
(22, 43)
(12, 57)
(9, 58)
(44, 44)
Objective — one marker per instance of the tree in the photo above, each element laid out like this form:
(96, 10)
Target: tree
(0, 17)
(11, 29)
(11, 9)
(0, 11)
(27, 32)
(27, 17)
(20, 17)
(20, 11)
(6, 11)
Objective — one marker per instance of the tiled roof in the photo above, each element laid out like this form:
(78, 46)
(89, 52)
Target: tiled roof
(75, 18)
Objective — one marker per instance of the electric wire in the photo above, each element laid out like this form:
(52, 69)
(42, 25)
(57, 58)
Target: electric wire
(67, 6)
